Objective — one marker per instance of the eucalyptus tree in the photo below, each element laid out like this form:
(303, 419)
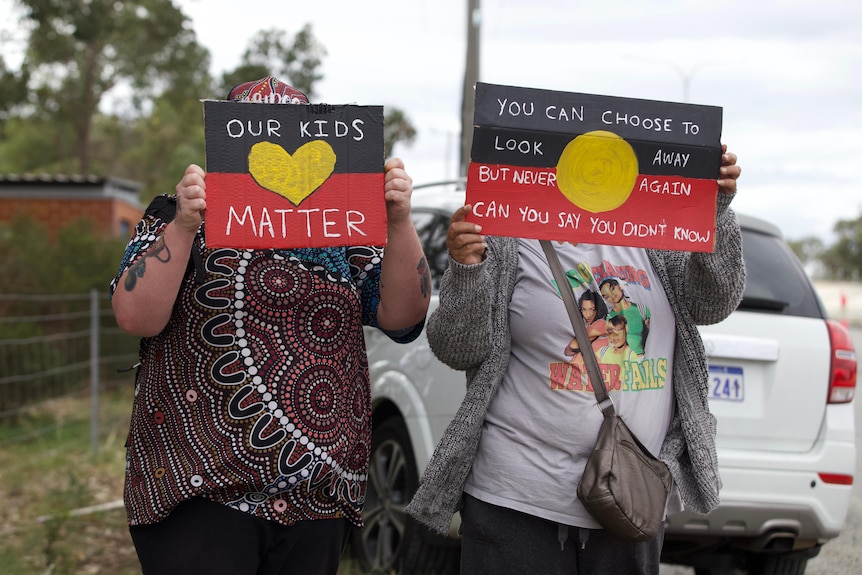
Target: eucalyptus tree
(79, 51)
(843, 259)
(296, 61)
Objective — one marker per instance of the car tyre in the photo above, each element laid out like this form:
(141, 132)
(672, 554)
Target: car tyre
(392, 541)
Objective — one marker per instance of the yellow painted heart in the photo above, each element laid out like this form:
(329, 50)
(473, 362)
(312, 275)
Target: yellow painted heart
(293, 177)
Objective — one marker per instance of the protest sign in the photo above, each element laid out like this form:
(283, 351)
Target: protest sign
(293, 176)
(597, 169)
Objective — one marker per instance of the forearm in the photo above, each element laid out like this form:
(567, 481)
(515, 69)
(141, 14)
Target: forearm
(459, 331)
(716, 280)
(405, 281)
(144, 298)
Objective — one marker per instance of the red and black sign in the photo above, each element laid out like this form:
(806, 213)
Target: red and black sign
(599, 169)
(294, 175)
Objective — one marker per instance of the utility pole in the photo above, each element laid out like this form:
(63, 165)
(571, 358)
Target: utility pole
(471, 76)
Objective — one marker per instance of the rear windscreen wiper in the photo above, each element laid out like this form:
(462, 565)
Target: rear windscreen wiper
(762, 303)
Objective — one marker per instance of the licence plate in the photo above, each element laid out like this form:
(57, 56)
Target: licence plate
(726, 383)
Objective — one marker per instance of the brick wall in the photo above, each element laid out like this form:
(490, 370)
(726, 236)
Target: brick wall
(112, 209)
(106, 214)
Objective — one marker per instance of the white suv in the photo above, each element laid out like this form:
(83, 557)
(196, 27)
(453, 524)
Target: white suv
(783, 380)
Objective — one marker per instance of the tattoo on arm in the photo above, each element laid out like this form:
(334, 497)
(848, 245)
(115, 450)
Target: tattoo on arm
(159, 250)
(424, 278)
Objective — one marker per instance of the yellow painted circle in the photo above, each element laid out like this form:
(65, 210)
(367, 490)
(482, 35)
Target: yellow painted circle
(597, 171)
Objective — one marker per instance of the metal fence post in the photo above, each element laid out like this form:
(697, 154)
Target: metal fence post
(94, 370)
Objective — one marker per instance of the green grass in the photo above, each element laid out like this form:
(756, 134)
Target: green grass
(48, 469)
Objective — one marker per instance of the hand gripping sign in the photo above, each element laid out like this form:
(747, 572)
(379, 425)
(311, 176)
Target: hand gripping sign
(294, 176)
(597, 169)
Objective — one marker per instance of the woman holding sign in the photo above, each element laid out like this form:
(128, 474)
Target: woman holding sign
(513, 456)
(250, 435)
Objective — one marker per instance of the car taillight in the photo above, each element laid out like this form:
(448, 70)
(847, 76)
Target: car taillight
(836, 478)
(842, 385)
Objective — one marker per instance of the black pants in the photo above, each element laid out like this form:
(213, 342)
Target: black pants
(202, 537)
(500, 541)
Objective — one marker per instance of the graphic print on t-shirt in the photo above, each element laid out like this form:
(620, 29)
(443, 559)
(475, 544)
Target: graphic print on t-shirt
(618, 327)
(544, 415)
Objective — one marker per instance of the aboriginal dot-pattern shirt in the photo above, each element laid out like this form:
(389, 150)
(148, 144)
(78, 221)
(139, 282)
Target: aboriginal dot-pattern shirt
(256, 394)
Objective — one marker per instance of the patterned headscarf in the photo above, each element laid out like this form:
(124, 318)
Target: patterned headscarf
(269, 90)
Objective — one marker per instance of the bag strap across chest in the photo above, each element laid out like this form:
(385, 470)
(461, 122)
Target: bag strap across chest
(592, 364)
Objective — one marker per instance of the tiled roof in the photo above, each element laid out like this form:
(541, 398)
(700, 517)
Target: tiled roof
(43, 186)
(18, 179)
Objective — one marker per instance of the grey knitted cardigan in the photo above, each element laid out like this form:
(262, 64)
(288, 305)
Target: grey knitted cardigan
(470, 331)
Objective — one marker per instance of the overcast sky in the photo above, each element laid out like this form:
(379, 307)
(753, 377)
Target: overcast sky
(786, 73)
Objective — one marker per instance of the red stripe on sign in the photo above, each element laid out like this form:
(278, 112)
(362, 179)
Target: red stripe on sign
(347, 209)
(663, 212)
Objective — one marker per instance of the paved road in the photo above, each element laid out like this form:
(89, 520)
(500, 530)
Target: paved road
(842, 555)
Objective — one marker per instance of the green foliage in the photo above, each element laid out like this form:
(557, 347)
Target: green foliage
(156, 149)
(13, 91)
(82, 49)
(49, 470)
(396, 129)
(270, 54)
(56, 550)
(82, 260)
(38, 145)
(808, 249)
(81, 52)
(843, 259)
(76, 262)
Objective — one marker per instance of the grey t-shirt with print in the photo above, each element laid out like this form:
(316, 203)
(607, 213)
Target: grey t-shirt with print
(541, 426)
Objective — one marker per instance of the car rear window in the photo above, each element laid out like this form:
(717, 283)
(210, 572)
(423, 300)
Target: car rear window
(775, 280)
(432, 226)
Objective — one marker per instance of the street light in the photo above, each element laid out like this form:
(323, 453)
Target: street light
(686, 75)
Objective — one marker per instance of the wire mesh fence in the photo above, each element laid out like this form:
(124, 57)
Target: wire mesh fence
(59, 345)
